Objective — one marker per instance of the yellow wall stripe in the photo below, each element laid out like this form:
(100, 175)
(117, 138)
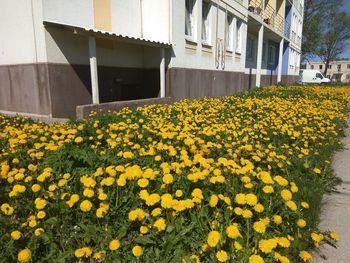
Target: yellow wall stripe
(103, 14)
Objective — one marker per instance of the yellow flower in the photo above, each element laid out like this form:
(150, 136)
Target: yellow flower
(334, 235)
(178, 193)
(259, 208)
(259, 227)
(268, 189)
(88, 192)
(160, 224)
(156, 211)
(256, 259)
(38, 231)
(98, 256)
(305, 205)
(240, 199)
(222, 256)
(85, 206)
(277, 219)
(317, 170)
(286, 195)
(137, 251)
(213, 238)
(143, 230)
(40, 203)
(266, 177)
(213, 200)
(292, 205)
(266, 246)
(251, 199)
(142, 182)
(7, 209)
(247, 213)
(283, 242)
(301, 223)
(305, 256)
(237, 245)
(114, 244)
(232, 231)
(24, 255)
(152, 199)
(83, 252)
(15, 235)
(78, 139)
(168, 179)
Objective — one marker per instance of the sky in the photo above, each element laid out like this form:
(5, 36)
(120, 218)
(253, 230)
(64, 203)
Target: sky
(346, 53)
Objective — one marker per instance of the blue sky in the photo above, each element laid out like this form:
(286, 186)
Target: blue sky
(346, 54)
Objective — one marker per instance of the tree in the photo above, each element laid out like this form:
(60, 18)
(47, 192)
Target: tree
(315, 13)
(335, 37)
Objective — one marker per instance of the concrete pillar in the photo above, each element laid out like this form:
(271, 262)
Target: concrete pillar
(162, 72)
(259, 55)
(280, 61)
(93, 70)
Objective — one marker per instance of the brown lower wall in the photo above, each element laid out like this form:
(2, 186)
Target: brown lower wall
(290, 79)
(195, 83)
(24, 88)
(57, 89)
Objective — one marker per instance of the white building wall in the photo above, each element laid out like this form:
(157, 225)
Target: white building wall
(21, 31)
(194, 54)
(147, 19)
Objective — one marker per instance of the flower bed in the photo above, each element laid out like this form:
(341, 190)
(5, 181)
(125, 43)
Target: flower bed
(237, 179)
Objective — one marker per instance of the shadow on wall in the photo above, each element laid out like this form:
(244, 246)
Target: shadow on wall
(70, 82)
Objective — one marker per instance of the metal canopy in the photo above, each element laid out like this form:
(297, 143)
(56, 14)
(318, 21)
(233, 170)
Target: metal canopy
(106, 34)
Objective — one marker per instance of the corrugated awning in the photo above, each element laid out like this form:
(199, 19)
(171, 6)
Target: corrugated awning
(106, 34)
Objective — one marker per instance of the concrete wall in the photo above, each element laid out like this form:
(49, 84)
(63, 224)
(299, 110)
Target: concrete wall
(71, 12)
(148, 19)
(21, 32)
(194, 54)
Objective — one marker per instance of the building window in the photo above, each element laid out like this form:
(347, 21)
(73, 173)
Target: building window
(339, 67)
(348, 66)
(329, 66)
(312, 66)
(320, 66)
(229, 32)
(238, 36)
(206, 25)
(189, 19)
(272, 55)
(250, 48)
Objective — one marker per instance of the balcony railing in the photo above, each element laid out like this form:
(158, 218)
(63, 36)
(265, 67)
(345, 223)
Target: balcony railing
(269, 15)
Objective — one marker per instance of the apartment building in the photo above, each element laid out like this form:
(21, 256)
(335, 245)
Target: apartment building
(56, 55)
(338, 71)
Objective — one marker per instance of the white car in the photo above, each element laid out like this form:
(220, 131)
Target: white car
(313, 76)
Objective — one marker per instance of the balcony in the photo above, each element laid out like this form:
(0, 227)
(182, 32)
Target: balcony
(269, 15)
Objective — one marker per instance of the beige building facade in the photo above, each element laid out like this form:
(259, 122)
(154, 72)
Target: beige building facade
(338, 71)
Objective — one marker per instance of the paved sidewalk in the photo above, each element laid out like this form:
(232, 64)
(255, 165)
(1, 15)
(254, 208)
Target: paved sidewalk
(336, 210)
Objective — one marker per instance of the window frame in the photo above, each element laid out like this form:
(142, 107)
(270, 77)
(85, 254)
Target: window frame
(207, 22)
(192, 20)
(229, 32)
(238, 36)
